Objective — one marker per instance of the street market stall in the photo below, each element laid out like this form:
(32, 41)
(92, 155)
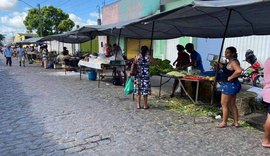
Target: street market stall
(188, 77)
(101, 64)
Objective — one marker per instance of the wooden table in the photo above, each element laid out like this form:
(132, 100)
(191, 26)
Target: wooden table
(100, 67)
(184, 89)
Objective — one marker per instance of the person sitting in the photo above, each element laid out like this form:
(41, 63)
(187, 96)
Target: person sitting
(108, 50)
(63, 56)
(65, 51)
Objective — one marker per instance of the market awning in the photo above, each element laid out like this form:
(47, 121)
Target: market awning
(200, 18)
(67, 38)
(34, 40)
(204, 18)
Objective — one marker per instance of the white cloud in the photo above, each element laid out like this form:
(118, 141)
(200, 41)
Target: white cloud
(7, 4)
(12, 24)
(93, 14)
(15, 19)
(91, 22)
(10, 31)
(79, 21)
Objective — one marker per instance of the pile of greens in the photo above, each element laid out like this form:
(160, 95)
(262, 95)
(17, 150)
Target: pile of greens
(162, 67)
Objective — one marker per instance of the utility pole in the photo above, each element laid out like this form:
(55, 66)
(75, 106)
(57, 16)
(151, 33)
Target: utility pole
(98, 20)
(39, 14)
(40, 21)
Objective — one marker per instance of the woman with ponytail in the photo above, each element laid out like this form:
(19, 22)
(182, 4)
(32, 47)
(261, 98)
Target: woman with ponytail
(230, 86)
(142, 86)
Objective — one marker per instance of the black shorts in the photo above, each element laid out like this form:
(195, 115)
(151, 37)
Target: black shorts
(268, 106)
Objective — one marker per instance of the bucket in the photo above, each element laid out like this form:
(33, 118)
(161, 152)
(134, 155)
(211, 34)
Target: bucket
(92, 75)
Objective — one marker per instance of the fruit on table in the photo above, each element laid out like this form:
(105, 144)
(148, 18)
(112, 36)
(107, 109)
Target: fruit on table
(212, 78)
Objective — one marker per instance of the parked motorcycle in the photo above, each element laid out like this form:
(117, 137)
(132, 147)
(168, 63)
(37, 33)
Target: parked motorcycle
(253, 73)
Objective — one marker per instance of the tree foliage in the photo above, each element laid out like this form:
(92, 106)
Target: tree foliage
(53, 21)
(2, 37)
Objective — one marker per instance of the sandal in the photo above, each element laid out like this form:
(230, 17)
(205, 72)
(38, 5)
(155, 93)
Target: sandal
(146, 107)
(235, 125)
(265, 145)
(220, 125)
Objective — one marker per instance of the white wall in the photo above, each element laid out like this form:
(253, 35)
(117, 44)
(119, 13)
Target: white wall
(171, 51)
(259, 44)
(58, 46)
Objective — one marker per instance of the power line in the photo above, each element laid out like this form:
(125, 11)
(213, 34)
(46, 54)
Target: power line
(39, 14)
(44, 1)
(63, 2)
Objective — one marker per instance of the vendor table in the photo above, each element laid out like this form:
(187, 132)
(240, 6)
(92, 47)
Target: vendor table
(100, 67)
(31, 56)
(184, 89)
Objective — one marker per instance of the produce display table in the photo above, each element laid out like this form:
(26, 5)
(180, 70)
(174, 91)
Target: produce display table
(187, 78)
(100, 67)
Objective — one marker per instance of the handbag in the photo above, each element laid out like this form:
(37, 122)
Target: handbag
(129, 87)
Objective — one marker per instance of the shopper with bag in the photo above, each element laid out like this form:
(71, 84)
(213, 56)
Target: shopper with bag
(140, 70)
(129, 86)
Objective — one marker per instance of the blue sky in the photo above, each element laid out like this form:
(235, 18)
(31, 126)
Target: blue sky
(13, 12)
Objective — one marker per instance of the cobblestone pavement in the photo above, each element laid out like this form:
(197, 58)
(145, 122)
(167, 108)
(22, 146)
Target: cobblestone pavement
(45, 113)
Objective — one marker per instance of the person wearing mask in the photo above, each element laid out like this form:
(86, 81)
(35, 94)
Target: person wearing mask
(182, 60)
(266, 99)
(8, 54)
(230, 86)
(21, 55)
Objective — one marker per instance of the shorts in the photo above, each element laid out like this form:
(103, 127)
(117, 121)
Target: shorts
(21, 58)
(268, 106)
(230, 88)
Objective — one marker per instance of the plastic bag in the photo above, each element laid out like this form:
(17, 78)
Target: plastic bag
(129, 87)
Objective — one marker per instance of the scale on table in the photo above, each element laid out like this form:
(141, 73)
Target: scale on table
(212, 58)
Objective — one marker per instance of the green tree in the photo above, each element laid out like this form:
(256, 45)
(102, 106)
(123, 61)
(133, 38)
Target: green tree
(2, 37)
(53, 21)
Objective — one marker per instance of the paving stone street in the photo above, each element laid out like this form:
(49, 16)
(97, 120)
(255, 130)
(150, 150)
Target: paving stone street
(44, 112)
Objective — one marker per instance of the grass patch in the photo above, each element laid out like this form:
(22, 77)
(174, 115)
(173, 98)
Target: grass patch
(185, 107)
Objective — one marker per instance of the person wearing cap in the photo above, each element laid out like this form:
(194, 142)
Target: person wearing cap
(8, 54)
(182, 60)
